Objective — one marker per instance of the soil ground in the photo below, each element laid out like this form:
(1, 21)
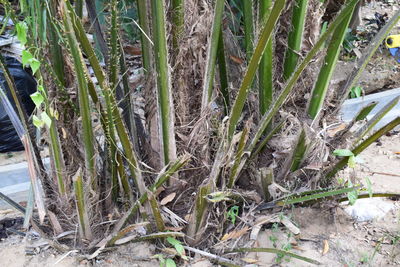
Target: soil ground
(328, 233)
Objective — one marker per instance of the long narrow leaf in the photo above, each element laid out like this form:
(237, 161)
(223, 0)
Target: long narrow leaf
(375, 119)
(84, 104)
(276, 251)
(326, 71)
(253, 65)
(14, 204)
(293, 79)
(365, 111)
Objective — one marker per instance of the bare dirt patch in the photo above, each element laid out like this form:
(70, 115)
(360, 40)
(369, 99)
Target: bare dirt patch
(349, 243)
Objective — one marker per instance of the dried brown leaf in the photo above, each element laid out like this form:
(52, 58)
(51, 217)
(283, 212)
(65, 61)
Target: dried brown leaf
(55, 223)
(333, 131)
(290, 226)
(235, 234)
(249, 260)
(174, 229)
(168, 199)
(325, 247)
(237, 60)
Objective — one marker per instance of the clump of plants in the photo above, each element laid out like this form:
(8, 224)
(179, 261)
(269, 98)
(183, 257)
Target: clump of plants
(203, 145)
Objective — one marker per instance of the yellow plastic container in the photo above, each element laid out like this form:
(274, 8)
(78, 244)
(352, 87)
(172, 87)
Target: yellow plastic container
(393, 41)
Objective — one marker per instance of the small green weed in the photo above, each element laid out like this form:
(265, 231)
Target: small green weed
(178, 247)
(179, 250)
(364, 258)
(233, 213)
(348, 44)
(352, 195)
(165, 262)
(346, 153)
(355, 92)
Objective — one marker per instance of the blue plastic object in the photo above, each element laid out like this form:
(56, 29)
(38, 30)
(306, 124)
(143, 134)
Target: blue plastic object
(396, 53)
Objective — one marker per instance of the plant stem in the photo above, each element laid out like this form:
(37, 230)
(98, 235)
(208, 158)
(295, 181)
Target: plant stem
(79, 8)
(299, 151)
(84, 104)
(295, 37)
(84, 225)
(266, 119)
(223, 75)
(178, 18)
(265, 72)
(110, 100)
(253, 66)
(165, 101)
(212, 54)
(248, 27)
(144, 25)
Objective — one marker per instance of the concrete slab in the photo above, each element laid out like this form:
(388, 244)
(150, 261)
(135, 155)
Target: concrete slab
(15, 181)
(13, 174)
(351, 107)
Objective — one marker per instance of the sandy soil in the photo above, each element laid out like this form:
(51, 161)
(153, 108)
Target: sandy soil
(11, 158)
(350, 243)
